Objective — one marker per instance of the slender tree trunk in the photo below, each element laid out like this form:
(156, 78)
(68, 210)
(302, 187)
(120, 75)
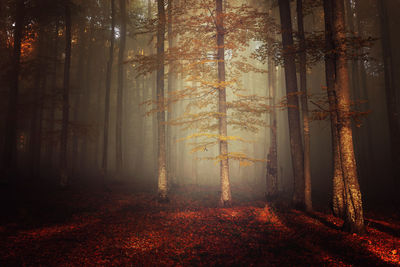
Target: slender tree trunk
(354, 219)
(35, 129)
(171, 85)
(272, 164)
(296, 144)
(337, 179)
(65, 108)
(10, 146)
(78, 98)
(120, 91)
(162, 168)
(108, 89)
(304, 105)
(54, 97)
(391, 94)
(226, 197)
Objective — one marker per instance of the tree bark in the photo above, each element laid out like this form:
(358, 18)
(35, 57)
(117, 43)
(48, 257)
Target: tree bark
(108, 89)
(65, 106)
(226, 197)
(272, 164)
(10, 146)
(120, 91)
(337, 179)
(354, 219)
(304, 106)
(391, 94)
(162, 168)
(296, 146)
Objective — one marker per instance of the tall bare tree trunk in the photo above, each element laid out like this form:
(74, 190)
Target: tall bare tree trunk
(272, 164)
(226, 197)
(120, 91)
(330, 73)
(108, 89)
(296, 144)
(391, 94)
(304, 105)
(65, 108)
(10, 145)
(354, 218)
(162, 164)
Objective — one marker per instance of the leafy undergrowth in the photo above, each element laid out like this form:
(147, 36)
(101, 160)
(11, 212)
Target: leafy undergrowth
(120, 228)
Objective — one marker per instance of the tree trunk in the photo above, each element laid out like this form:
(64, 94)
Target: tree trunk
(108, 89)
(54, 96)
(10, 145)
(120, 91)
(391, 94)
(65, 106)
(337, 179)
(171, 87)
(304, 105)
(272, 164)
(296, 146)
(354, 219)
(226, 197)
(162, 168)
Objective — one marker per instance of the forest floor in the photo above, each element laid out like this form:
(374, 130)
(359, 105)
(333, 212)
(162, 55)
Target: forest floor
(122, 226)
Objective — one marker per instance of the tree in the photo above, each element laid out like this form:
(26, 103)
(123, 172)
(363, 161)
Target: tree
(272, 163)
(304, 105)
(108, 89)
(10, 148)
(120, 90)
(226, 197)
(162, 164)
(391, 99)
(296, 146)
(65, 97)
(353, 216)
(337, 179)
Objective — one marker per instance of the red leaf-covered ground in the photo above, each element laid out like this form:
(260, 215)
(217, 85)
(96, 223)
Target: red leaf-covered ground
(119, 227)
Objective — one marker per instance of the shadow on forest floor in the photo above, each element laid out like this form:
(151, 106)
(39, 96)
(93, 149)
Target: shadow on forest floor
(125, 225)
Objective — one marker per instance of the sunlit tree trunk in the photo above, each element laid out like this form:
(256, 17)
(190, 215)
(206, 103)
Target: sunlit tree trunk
(120, 91)
(10, 145)
(296, 144)
(65, 97)
(162, 168)
(304, 105)
(272, 164)
(391, 94)
(354, 218)
(226, 197)
(108, 89)
(337, 179)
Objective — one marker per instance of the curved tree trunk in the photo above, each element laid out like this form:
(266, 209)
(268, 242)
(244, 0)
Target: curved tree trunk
(296, 144)
(226, 197)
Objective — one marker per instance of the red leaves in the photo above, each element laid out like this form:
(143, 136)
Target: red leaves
(127, 229)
